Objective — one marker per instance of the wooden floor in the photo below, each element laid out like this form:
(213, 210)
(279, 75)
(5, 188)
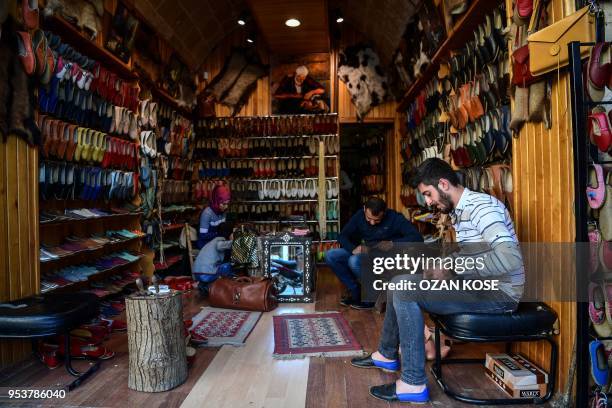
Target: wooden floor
(248, 376)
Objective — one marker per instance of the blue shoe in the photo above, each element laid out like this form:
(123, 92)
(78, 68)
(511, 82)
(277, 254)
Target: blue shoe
(369, 362)
(386, 392)
(599, 363)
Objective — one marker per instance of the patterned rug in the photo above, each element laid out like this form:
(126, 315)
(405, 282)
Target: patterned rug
(224, 326)
(324, 334)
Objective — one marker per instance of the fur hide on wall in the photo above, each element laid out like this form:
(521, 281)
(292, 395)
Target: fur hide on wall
(237, 80)
(364, 78)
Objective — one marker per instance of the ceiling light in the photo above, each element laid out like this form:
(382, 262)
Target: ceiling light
(243, 18)
(250, 40)
(292, 22)
(338, 16)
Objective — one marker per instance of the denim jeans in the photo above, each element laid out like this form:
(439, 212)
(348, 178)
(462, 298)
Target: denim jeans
(347, 268)
(404, 326)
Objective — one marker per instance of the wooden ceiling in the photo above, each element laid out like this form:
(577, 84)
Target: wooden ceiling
(310, 37)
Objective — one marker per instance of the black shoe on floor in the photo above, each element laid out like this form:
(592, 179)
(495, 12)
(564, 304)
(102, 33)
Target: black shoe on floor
(347, 301)
(363, 305)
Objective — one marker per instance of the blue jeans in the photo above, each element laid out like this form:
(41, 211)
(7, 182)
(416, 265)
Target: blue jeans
(404, 326)
(347, 268)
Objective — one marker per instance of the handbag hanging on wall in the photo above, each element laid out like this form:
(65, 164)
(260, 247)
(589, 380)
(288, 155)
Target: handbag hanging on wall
(550, 43)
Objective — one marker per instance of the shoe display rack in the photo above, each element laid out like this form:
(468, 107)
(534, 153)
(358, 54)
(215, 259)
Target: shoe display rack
(372, 166)
(176, 203)
(593, 211)
(90, 232)
(271, 166)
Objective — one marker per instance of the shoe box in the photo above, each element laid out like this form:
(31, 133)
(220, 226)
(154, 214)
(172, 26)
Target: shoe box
(516, 376)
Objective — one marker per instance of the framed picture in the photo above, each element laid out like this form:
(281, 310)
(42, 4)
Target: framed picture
(300, 84)
(287, 260)
(120, 39)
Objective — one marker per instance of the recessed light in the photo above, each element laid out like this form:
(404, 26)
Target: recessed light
(292, 22)
(241, 22)
(339, 20)
(250, 40)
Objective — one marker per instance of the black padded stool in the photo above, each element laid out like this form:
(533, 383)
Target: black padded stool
(530, 322)
(48, 315)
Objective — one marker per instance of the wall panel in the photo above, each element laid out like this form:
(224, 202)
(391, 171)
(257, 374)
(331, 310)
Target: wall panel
(18, 232)
(543, 203)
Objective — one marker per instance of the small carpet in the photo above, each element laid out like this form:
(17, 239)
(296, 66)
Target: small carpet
(325, 334)
(224, 326)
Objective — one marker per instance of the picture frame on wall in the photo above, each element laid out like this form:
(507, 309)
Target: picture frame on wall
(300, 85)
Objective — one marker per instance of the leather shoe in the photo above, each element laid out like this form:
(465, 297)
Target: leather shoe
(369, 362)
(386, 392)
(25, 52)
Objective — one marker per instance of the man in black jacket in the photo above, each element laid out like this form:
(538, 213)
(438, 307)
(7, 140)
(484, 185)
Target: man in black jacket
(377, 225)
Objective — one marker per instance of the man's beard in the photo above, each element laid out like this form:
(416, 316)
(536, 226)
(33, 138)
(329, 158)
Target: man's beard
(446, 202)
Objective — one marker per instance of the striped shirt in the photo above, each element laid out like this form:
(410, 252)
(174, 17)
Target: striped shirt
(484, 221)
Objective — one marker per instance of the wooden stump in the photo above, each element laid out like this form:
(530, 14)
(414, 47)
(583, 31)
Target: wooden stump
(156, 342)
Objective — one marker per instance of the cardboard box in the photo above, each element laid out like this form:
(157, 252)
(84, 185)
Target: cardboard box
(528, 391)
(515, 371)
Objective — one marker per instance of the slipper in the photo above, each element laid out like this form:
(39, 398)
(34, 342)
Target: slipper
(81, 349)
(599, 363)
(596, 189)
(597, 313)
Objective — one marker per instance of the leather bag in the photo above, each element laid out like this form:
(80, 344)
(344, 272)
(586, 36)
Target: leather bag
(550, 43)
(243, 293)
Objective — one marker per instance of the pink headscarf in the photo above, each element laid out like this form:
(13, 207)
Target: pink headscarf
(220, 194)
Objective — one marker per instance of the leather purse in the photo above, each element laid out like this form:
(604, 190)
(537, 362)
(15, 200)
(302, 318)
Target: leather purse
(550, 43)
(243, 293)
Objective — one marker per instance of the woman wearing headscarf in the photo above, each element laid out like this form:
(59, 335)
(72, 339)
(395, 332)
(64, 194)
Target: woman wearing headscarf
(214, 214)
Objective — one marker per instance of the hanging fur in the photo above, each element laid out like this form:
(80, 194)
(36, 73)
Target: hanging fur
(21, 116)
(360, 70)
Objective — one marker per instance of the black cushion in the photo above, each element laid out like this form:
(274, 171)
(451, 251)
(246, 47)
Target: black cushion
(46, 314)
(530, 319)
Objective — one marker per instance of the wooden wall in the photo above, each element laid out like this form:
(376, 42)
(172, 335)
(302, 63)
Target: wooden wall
(543, 201)
(19, 264)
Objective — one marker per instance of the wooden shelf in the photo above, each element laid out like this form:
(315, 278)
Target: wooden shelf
(72, 36)
(463, 31)
(106, 246)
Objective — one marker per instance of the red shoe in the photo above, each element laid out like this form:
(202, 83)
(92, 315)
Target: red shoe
(47, 353)
(197, 338)
(25, 52)
(30, 13)
(82, 349)
(116, 325)
(599, 131)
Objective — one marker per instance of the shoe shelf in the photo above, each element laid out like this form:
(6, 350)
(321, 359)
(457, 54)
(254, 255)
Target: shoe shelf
(289, 179)
(290, 136)
(169, 100)
(280, 201)
(97, 276)
(111, 245)
(76, 39)
(462, 32)
(275, 157)
(165, 266)
(93, 219)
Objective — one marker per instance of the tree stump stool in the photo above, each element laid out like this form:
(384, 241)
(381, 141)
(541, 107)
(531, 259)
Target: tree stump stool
(157, 359)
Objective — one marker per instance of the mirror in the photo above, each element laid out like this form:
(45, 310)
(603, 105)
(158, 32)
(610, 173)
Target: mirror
(287, 261)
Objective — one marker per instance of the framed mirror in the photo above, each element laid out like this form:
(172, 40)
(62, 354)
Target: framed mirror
(287, 260)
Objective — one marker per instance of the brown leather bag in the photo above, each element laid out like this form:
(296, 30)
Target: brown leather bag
(244, 293)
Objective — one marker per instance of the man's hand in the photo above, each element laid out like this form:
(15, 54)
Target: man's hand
(437, 274)
(385, 245)
(358, 250)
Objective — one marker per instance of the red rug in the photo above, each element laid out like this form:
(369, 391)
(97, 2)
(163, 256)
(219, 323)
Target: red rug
(325, 334)
(224, 326)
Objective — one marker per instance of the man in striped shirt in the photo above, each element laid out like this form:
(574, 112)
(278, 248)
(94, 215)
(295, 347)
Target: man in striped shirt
(484, 229)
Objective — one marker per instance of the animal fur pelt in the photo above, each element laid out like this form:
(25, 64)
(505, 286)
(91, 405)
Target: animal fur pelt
(365, 79)
(237, 80)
